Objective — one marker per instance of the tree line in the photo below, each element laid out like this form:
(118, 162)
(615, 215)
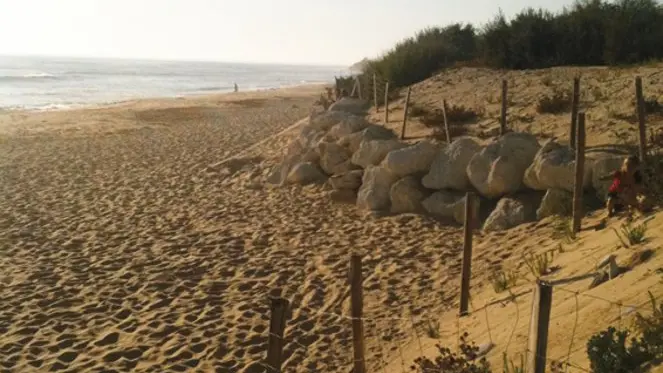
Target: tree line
(590, 32)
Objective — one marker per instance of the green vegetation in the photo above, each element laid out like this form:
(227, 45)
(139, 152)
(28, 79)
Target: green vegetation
(591, 32)
(630, 234)
(465, 361)
(539, 264)
(503, 281)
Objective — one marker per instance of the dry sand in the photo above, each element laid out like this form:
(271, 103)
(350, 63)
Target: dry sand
(127, 245)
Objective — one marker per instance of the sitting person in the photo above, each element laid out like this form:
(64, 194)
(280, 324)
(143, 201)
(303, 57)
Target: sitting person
(627, 189)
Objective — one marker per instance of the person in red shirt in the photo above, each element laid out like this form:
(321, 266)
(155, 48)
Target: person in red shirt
(626, 190)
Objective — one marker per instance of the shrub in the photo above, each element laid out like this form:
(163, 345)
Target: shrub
(558, 103)
(451, 362)
(651, 327)
(563, 228)
(608, 352)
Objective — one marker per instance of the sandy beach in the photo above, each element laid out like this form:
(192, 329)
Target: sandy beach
(129, 243)
(125, 247)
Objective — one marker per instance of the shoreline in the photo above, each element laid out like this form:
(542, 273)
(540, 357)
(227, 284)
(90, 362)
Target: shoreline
(150, 112)
(194, 96)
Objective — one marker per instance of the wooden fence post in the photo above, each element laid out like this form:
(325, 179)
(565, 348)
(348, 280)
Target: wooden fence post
(375, 94)
(356, 304)
(354, 88)
(580, 175)
(538, 334)
(407, 106)
(574, 111)
(361, 95)
(446, 124)
(504, 108)
(470, 223)
(386, 103)
(640, 102)
(277, 322)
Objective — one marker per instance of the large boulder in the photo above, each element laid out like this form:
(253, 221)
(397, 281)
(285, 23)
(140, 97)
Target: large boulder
(512, 211)
(351, 105)
(372, 152)
(375, 187)
(334, 159)
(449, 168)
(555, 202)
(603, 166)
(498, 169)
(306, 173)
(325, 120)
(348, 180)
(343, 196)
(412, 159)
(348, 126)
(406, 195)
(372, 132)
(446, 204)
(554, 167)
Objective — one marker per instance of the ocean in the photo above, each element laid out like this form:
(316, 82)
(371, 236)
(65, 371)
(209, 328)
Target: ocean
(47, 83)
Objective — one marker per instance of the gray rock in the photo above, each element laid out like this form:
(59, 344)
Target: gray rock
(413, 159)
(375, 188)
(553, 167)
(351, 105)
(348, 126)
(512, 211)
(499, 168)
(372, 152)
(348, 180)
(446, 204)
(555, 202)
(449, 167)
(406, 195)
(334, 159)
(372, 132)
(306, 173)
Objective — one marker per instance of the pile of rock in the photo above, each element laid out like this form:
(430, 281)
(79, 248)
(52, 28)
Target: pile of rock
(367, 165)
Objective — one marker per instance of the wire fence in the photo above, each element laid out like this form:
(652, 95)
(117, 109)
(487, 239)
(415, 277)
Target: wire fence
(501, 328)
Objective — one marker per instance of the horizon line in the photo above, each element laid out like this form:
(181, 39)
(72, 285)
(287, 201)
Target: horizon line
(146, 59)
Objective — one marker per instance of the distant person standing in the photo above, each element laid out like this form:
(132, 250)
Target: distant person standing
(236, 88)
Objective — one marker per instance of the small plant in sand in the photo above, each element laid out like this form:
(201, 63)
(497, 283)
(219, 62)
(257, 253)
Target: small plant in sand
(503, 280)
(447, 361)
(557, 366)
(630, 234)
(539, 264)
(433, 329)
(563, 229)
(558, 102)
(508, 366)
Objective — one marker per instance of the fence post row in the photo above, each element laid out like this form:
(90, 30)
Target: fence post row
(580, 175)
(470, 222)
(386, 103)
(277, 323)
(407, 106)
(356, 305)
(538, 334)
(640, 103)
(574, 111)
(504, 108)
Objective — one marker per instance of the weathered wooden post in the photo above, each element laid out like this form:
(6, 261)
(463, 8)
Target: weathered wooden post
(574, 111)
(470, 223)
(407, 106)
(375, 94)
(277, 323)
(446, 124)
(356, 304)
(642, 132)
(504, 108)
(538, 334)
(386, 103)
(578, 187)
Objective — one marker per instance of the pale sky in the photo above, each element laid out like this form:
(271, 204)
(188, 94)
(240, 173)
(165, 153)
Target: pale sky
(330, 32)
